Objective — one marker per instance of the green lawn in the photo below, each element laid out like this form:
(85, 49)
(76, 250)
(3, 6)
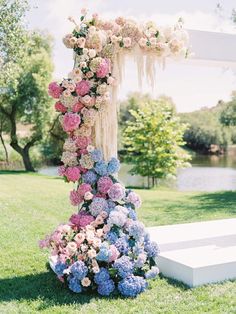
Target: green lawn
(32, 205)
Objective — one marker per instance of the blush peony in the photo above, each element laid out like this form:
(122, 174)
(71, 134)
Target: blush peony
(103, 68)
(60, 107)
(82, 88)
(54, 90)
(70, 122)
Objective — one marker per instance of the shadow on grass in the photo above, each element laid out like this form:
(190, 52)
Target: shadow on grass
(175, 283)
(43, 286)
(51, 292)
(15, 172)
(217, 200)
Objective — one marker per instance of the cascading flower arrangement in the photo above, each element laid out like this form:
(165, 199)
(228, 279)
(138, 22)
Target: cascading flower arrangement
(103, 247)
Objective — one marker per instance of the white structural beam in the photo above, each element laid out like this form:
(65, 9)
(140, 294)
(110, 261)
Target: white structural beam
(212, 48)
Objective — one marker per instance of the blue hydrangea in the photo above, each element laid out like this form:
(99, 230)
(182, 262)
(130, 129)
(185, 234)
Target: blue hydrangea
(138, 248)
(59, 268)
(112, 237)
(111, 206)
(104, 253)
(106, 288)
(152, 273)
(89, 177)
(146, 237)
(74, 284)
(122, 245)
(113, 166)
(132, 286)
(152, 249)
(79, 270)
(97, 206)
(136, 230)
(132, 214)
(101, 168)
(124, 266)
(140, 261)
(101, 276)
(96, 155)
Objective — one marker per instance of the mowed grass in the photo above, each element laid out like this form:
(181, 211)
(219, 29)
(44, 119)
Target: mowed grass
(33, 205)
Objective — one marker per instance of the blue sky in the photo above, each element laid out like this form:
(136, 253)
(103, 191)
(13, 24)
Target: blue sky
(190, 86)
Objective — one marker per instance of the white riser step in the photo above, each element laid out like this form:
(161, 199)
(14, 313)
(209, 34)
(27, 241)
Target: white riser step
(197, 253)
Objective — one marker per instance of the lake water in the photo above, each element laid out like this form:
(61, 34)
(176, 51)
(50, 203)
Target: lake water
(208, 173)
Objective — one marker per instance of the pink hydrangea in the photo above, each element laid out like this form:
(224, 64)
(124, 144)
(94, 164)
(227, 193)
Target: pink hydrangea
(83, 151)
(83, 188)
(134, 199)
(75, 198)
(61, 170)
(114, 253)
(103, 69)
(82, 219)
(72, 174)
(82, 169)
(82, 88)
(104, 184)
(60, 107)
(54, 90)
(83, 141)
(70, 121)
(116, 192)
(77, 107)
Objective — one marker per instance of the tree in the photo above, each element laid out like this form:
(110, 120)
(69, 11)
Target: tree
(228, 114)
(25, 73)
(205, 133)
(152, 141)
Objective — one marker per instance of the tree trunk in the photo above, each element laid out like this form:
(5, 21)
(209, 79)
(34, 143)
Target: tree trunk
(26, 160)
(5, 149)
(3, 142)
(23, 151)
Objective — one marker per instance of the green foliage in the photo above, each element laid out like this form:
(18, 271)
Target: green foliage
(152, 141)
(205, 130)
(228, 114)
(52, 144)
(25, 73)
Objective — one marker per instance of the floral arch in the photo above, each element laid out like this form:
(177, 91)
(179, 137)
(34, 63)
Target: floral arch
(104, 247)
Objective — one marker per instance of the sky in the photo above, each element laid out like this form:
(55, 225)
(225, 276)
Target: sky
(190, 86)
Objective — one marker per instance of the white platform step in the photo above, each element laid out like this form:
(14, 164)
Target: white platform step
(197, 253)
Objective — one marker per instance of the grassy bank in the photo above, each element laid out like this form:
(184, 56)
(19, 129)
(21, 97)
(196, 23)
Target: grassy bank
(32, 205)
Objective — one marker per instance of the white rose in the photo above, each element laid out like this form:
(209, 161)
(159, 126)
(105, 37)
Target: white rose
(88, 196)
(92, 53)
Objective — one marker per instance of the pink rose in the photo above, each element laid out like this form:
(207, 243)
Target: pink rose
(70, 122)
(103, 68)
(54, 90)
(72, 174)
(77, 107)
(82, 88)
(60, 107)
